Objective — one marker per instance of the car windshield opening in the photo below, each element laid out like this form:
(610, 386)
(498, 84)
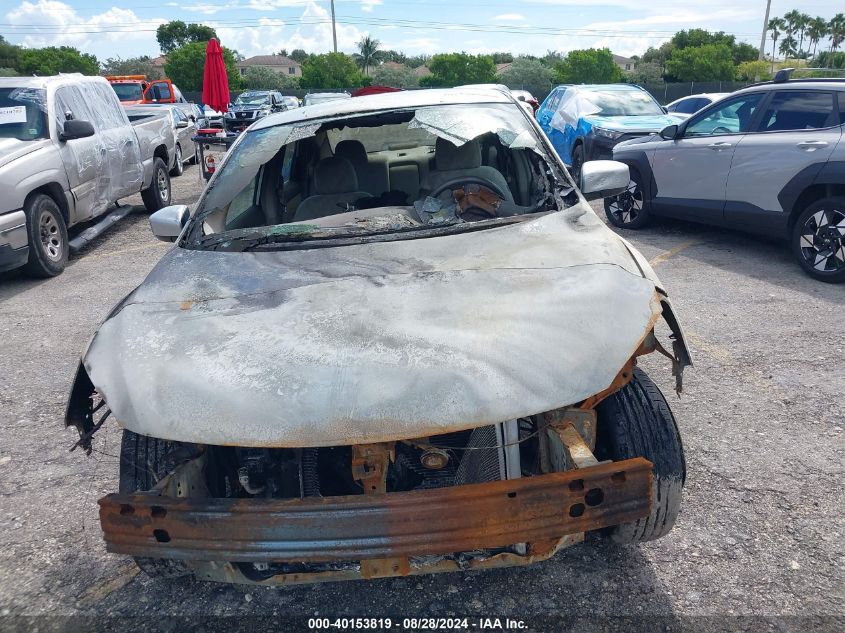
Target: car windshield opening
(23, 114)
(622, 103)
(128, 92)
(393, 172)
(252, 98)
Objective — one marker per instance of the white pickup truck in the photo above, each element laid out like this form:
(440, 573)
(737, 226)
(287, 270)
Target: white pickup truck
(67, 153)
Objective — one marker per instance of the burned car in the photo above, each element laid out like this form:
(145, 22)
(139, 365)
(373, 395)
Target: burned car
(392, 338)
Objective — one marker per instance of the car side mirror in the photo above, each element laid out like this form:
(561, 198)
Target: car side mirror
(669, 133)
(74, 129)
(167, 223)
(603, 179)
(182, 124)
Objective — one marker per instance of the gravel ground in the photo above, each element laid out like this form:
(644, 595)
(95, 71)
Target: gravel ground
(761, 531)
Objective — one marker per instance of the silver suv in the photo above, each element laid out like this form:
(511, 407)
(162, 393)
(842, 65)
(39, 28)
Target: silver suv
(767, 159)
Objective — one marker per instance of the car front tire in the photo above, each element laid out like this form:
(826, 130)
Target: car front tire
(178, 165)
(157, 195)
(47, 234)
(818, 240)
(636, 422)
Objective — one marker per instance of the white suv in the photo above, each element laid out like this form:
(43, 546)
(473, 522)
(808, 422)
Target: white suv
(768, 159)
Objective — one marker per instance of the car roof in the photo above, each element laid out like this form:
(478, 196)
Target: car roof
(52, 80)
(798, 84)
(603, 87)
(386, 101)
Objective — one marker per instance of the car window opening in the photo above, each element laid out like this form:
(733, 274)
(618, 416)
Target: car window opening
(394, 172)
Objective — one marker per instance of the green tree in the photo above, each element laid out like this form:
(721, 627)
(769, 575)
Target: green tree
(744, 52)
(753, 71)
(175, 34)
(395, 76)
(502, 58)
(456, 69)
(332, 70)
(368, 53)
(816, 31)
(530, 74)
(262, 78)
(52, 60)
(646, 73)
(711, 62)
(594, 66)
(793, 27)
(394, 56)
(830, 59)
(142, 65)
(658, 56)
(298, 55)
(8, 72)
(10, 54)
(416, 61)
(186, 64)
(788, 46)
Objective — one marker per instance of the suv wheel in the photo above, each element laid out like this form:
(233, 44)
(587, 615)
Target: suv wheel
(628, 210)
(157, 195)
(818, 240)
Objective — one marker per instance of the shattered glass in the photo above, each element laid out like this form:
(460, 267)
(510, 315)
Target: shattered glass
(458, 126)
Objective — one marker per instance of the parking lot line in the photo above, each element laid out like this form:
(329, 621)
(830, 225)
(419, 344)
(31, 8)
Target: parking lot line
(656, 261)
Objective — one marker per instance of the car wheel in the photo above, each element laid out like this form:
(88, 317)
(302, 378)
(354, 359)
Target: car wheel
(818, 240)
(142, 464)
(157, 195)
(636, 422)
(577, 162)
(47, 235)
(178, 165)
(628, 210)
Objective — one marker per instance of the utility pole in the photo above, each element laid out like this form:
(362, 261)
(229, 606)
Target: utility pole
(762, 38)
(334, 28)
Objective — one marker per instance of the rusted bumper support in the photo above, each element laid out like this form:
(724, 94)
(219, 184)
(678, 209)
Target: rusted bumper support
(439, 521)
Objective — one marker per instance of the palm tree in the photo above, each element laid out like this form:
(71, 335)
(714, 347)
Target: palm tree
(837, 30)
(368, 53)
(816, 31)
(803, 23)
(788, 45)
(776, 26)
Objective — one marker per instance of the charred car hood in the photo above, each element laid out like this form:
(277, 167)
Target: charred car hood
(374, 342)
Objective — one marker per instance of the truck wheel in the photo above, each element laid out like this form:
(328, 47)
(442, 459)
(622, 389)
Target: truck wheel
(577, 163)
(48, 241)
(818, 240)
(628, 210)
(157, 195)
(141, 466)
(636, 422)
(178, 166)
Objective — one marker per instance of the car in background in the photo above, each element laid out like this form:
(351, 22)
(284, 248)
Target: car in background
(67, 154)
(290, 102)
(523, 96)
(137, 89)
(585, 122)
(686, 106)
(250, 106)
(213, 118)
(322, 97)
(184, 129)
(768, 159)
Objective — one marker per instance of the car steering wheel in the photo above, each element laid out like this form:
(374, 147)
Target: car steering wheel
(720, 130)
(468, 180)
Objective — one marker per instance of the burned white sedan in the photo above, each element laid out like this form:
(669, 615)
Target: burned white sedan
(392, 338)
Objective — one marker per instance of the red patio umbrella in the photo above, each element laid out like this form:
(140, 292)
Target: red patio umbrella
(215, 83)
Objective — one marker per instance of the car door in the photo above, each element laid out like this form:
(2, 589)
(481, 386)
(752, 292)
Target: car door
(185, 131)
(81, 156)
(158, 92)
(691, 171)
(122, 164)
(798, 130)
(546, 114)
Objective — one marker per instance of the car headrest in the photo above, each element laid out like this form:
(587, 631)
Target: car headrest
(448, 157)
(335, 175)
(353, 151)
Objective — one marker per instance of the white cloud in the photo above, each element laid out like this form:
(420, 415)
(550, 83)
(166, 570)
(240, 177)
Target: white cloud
(62, 25)
(262, 39)
(510, 17)
(369, 5)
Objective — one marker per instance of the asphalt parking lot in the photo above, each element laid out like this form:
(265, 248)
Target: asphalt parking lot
(762, 417)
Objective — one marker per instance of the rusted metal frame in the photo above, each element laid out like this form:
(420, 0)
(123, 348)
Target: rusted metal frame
(379, 526)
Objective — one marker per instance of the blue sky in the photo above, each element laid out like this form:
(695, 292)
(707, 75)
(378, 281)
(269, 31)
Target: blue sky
(415, 26)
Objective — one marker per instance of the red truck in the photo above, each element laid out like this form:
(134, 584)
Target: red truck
(136, 89)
